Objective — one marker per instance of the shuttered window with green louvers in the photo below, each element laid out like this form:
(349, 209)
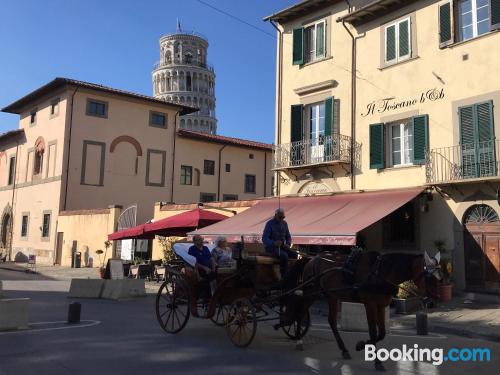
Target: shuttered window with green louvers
(398, 41)
(377, 146)
(445, 24)
(298, 46)
(420, 138)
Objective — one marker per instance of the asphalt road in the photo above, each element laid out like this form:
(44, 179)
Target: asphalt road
(123, 337)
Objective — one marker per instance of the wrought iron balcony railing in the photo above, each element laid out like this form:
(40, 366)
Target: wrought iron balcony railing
(330, 149)
(177, 62)
(462, 162)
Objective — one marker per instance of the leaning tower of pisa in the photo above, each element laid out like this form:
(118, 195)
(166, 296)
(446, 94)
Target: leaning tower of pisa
(183, 75)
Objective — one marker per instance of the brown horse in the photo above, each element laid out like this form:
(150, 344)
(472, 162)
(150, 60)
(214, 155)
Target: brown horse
(373, 283)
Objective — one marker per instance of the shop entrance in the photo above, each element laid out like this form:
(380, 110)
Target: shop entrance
(482, 248)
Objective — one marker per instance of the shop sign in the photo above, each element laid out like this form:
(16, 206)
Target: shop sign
(392, 104)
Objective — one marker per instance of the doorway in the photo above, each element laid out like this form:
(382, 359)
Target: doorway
(482, 248)
(59, 246)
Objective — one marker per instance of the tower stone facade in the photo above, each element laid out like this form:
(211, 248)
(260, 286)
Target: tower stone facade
(183, 75)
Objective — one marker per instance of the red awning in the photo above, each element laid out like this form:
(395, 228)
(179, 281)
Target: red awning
(321, 220)
(129, 233)
(177, 225)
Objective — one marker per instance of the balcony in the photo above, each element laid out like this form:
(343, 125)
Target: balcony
(325, 151)
(178, 62)
(463, 163)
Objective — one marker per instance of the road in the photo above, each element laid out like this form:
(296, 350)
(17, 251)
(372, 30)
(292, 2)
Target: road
(123, 337)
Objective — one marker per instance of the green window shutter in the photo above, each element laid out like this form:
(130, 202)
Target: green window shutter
(390, 43)
(296, 122)
(485, 151)
(467, 142)
(377, 146)
(484, 115)
(495, 14)
(420, 138)
(445, 24)
(320, 39)
(404, 38)
(328, 116)
(298, 46)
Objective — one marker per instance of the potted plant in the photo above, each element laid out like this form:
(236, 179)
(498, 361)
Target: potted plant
(445, 287)
(101, 268)
(407, 300)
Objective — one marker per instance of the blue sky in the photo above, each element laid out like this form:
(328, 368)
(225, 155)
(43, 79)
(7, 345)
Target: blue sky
(115, 43)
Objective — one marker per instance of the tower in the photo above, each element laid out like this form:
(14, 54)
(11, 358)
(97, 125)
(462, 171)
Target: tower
(183, 75)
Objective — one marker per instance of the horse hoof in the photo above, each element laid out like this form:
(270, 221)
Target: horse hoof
(277, 326)
(299, 346)
(360, 346)
(346, 355)
(379, 367)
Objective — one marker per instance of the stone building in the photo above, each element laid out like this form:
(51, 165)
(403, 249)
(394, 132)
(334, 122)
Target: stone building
(183, 76)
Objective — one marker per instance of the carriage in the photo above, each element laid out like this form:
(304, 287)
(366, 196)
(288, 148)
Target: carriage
(243, 297)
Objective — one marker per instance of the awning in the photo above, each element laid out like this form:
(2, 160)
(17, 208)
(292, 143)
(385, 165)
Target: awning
(321, 220)
(177, 225)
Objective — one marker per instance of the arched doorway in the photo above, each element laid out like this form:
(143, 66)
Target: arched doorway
(482, 248)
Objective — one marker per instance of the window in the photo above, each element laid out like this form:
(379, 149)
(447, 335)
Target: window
(314, 42)
(46, 225)
(97, 108)
(33, 117)
(249, 183)
(229, 197)
(398, 41)
(401, 143)
(473, 18)
(209, 167)
(228, 167)
(309, 43)
(24, 226)
(38, 163)
(12, 170)
(399, 227)
(186, 175)
(207, 197)
(54, 107)
(466, 19)
(157, 119)
(188, 82)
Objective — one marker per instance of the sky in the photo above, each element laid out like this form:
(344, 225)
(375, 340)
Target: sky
(116, 43)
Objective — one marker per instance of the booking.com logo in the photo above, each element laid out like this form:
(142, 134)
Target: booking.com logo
(437, 355)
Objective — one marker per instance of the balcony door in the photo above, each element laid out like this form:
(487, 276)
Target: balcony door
(316, 132)
(477, 141)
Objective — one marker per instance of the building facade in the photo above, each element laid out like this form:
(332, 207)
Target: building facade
(416, 108)
(183, 76)
(89, 151)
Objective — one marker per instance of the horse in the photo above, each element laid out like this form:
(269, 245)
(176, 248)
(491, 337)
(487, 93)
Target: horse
(373, 282)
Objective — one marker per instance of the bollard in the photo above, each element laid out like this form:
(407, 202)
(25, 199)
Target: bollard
(74, 311)
(421, 320)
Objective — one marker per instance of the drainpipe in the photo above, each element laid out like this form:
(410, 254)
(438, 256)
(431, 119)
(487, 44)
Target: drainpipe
(173, 158)
(279, 94)
(218, 178)
(69, 150)
(353, 99)
(12, 202)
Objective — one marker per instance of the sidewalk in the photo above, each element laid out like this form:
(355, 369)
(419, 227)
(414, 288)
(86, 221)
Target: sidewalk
(471, 319)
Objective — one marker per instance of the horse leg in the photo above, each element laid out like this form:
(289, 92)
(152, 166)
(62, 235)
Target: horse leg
(332, 319)
(381, 322)
(301, 314)
(371, 317)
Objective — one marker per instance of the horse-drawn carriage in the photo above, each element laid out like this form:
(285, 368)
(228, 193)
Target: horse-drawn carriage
(242, 297)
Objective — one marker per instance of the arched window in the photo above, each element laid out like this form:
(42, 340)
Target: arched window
(39, 151)
(188, 58)
(480, 214)
(188, 82)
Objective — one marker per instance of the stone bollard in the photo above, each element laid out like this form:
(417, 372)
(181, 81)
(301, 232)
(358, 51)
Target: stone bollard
(421, 321)
(74, 311)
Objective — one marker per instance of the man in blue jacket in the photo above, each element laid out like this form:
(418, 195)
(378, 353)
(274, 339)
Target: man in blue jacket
(277, 240)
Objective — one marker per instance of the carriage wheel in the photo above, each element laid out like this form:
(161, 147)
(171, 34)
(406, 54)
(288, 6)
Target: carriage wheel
(291, 330)
(172, 305)
(220, 315)
(241, 323)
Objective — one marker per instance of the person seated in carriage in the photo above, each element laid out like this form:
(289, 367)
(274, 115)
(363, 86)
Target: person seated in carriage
(277, 240)
(205, 264)
(222, 254)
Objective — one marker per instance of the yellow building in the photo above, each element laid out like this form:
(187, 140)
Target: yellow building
(389, 94)
(89, 152)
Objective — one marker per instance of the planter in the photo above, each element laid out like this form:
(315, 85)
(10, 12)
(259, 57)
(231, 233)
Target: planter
(407, 305)
(445, 292)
